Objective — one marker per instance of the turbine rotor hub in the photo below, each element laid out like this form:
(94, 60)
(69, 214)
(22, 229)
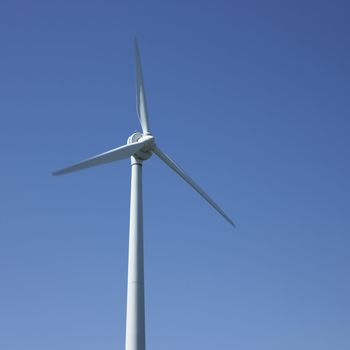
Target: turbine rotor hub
(145, 152)
(135, 137)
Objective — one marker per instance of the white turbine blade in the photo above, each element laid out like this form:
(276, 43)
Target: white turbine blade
(190, 181)
(141, 103)
(106, 157)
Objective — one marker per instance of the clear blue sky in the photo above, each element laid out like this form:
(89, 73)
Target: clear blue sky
(251, 98)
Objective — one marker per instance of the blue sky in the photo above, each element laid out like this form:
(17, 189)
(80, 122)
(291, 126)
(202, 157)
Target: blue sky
(251, 98)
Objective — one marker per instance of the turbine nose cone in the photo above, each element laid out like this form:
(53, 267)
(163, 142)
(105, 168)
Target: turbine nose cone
(135, 137)
(148, 144)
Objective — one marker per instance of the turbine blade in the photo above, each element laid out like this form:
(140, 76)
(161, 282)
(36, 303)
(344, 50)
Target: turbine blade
(141, 103)
(191, 182)
(106, 157)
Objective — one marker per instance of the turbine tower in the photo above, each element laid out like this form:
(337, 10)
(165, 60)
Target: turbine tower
(139, 147)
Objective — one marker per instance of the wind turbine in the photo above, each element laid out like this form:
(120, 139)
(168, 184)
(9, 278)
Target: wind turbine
(139, 147)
